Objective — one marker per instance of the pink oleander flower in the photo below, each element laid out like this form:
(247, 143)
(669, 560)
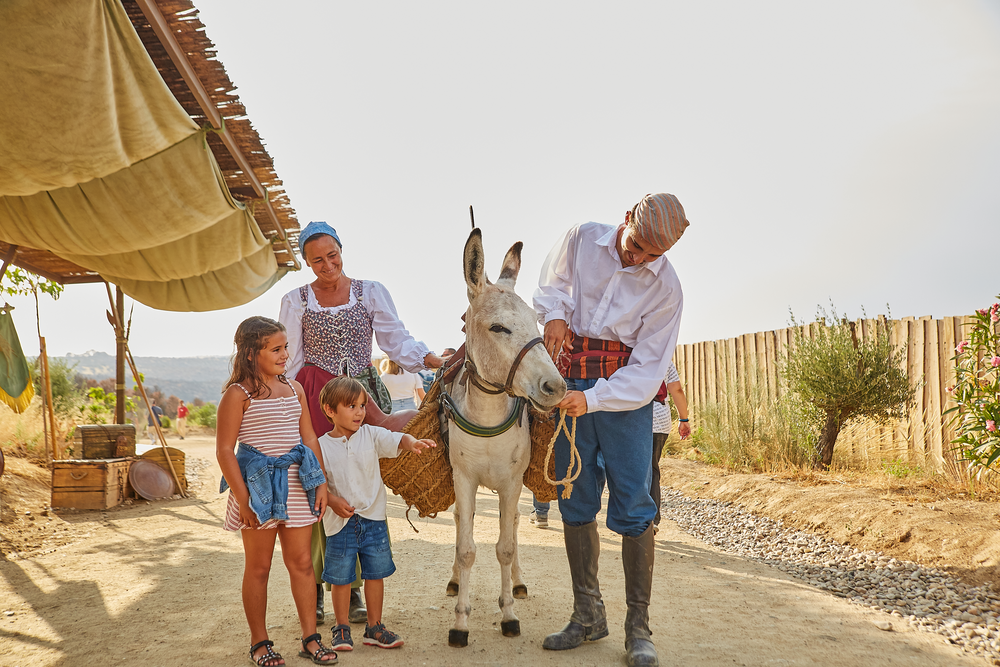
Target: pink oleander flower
(995, 361)
(949, 389)
(991, 425)
(982, 311)
(995, 317)
(960, 348)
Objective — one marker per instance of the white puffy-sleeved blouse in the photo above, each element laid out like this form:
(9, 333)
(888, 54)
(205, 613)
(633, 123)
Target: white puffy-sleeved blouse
(390, 334)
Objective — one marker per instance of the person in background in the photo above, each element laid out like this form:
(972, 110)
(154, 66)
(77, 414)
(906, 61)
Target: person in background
(661, 429)
(611, 306)
(157, 412)
(405, 388)
(182, 420)
(539, 517)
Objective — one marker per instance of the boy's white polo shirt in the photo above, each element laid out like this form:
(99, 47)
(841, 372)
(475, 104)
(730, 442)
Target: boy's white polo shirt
(353, 473)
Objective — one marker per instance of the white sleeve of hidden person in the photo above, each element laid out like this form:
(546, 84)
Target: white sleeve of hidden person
(390, 334)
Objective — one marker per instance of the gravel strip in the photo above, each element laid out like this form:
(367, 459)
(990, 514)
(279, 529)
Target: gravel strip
(924, 597)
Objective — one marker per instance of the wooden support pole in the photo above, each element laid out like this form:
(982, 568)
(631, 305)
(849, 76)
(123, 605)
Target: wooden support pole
(119, 327)
(49, 412)
(119, 357)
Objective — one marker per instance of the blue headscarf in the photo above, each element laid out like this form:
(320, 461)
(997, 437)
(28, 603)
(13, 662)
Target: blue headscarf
(316, 228)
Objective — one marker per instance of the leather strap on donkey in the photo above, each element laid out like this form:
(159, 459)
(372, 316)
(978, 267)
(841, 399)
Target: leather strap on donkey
(482, 431)
(492, 387)
(449, 409)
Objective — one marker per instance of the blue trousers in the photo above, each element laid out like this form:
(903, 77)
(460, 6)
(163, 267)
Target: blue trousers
(616, 448)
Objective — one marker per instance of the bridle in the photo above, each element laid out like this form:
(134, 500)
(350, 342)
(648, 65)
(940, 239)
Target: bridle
(484, 385)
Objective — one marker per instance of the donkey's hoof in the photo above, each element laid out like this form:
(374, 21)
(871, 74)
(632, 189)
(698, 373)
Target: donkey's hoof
(510, 628)
(458, 638)
(521, 592)
(452, 590)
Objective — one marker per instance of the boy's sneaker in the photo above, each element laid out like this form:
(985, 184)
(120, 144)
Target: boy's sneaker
(377, 635)
(342, 638)
(538, 520)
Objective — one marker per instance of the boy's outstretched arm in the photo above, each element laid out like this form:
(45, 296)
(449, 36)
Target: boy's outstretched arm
(410, 444)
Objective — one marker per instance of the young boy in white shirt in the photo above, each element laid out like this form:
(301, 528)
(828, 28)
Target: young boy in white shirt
(355, 520)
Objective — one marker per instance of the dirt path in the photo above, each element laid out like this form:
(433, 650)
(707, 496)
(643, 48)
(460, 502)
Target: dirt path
(158, 584)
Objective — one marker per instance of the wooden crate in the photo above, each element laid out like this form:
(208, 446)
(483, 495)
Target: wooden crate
(176, 458)
(93, 484)
(105, 441)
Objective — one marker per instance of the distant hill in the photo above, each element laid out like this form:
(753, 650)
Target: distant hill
(186, 378)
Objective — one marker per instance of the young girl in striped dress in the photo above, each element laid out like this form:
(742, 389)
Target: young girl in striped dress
(278, 452)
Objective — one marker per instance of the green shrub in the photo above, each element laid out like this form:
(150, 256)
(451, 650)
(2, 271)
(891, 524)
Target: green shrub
(977, 390)
(900, 468)
(846, 378)
(205, 415)
(66, 396)
(165, 421)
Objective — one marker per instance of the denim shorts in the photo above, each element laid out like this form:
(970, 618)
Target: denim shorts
(361, 539)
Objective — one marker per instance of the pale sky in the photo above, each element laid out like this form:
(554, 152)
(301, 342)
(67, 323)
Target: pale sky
(846, 151)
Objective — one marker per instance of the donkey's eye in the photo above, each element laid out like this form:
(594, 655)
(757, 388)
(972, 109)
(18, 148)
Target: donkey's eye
(496, 328)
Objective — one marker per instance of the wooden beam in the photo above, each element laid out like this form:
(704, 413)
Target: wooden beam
(119, 356)
(6, 260)
(162, 29)
(41, 272)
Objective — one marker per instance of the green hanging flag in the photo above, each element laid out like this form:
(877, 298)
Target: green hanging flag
(16, 389)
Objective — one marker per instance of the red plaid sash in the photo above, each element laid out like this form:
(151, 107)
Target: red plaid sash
(591, 358)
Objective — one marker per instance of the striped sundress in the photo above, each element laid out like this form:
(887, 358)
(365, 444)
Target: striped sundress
(271, 425)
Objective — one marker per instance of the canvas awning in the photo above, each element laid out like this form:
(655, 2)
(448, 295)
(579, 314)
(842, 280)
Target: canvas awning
(105, 172)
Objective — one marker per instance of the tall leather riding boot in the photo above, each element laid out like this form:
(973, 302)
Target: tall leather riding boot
(588, 622)
(637, 559)
(320, 614)
(357, 613)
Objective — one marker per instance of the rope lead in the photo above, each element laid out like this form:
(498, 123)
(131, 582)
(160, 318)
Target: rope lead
(574, 456)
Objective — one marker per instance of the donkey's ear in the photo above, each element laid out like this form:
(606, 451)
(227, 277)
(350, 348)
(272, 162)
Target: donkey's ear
(473, 264)
(512, 263)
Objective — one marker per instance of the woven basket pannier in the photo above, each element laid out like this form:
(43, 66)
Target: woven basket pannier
(542, 428)
(423, 480)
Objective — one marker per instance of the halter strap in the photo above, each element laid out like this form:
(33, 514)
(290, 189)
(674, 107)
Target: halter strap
(490, 387)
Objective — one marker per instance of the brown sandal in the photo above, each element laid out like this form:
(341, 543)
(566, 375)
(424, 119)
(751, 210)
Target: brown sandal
(320, 653)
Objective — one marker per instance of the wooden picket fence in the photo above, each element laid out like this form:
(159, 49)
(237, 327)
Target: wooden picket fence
(710, 369)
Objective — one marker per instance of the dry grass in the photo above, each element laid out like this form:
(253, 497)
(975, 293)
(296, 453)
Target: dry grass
(750, 431)
(21, 435)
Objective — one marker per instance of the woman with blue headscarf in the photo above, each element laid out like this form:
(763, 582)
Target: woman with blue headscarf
(330, 324)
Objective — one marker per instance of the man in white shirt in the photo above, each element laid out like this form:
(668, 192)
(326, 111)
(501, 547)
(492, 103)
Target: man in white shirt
(611, 307)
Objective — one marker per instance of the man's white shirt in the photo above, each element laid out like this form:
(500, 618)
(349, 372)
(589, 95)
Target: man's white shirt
(584, 283)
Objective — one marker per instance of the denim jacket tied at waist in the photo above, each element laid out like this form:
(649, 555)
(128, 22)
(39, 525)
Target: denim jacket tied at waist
(266, 478)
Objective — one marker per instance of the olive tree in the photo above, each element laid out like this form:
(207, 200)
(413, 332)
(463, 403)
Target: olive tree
(846, 378)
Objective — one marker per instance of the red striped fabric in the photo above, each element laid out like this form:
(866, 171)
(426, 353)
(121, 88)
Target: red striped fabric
(591, 358)
(272, 426)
